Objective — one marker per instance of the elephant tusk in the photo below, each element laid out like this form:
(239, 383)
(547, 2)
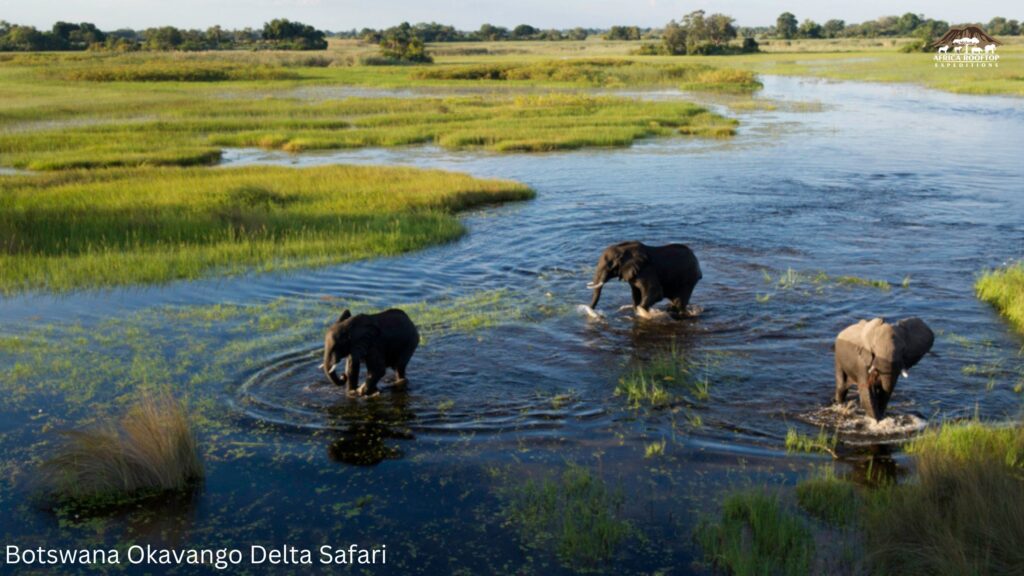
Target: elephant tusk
(333, 368)
(321, 366)
(905, 374)
(592, 286)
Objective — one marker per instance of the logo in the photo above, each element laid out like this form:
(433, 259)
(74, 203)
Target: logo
(967, 47)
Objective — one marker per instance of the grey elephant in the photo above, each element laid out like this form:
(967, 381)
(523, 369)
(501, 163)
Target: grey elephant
(653, 273)
(384, 340)
(872, 354)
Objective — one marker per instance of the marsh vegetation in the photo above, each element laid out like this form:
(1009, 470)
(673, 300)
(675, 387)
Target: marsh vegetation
(148, 225)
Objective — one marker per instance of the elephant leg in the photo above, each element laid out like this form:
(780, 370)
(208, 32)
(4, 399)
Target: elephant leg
(400, 367)
(375, 369)
(842, 384)
(351, 375)
(637, 295)
(648, 299)
(681, 301)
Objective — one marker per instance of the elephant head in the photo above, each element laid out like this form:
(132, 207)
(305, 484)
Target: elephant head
(350, 337)
(624, 261)
(888, 351)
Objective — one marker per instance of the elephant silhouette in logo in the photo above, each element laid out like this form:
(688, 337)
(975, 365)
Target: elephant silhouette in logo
(943, 49)
(956, 49)
(975, 50)
(990, 48)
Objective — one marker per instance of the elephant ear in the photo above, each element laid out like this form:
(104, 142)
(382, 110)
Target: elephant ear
(917, 339)
(344, 315)
(632, 264)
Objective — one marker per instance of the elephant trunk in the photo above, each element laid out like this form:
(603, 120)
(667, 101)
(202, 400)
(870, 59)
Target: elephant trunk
(600, 277)
(330, 365)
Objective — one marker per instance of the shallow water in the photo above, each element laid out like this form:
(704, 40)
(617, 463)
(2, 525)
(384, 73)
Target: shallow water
(885, 182)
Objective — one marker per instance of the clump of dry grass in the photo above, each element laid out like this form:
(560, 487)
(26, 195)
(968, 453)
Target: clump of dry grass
(151, 448)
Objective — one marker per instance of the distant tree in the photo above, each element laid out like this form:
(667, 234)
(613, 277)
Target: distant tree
(402, 43)
(523, 32)
(163, 38)
(24, 39)
(786, 26)
(1000, 26)
(577, 34)
(833, 28)
(907, 23)
(674, 38)
(720, 29)
(623, 33)
(809, 29)
(489, 33)
(295, 35)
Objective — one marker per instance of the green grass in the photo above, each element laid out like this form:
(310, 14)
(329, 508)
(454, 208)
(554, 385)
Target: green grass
(967, 442)
(1004, 289)
(822, 443)
(962, 514)
(113, 227)
(665, 378)
(757, 535)
(655, 449)
(575, 514)
(828, 498)
(60, 111)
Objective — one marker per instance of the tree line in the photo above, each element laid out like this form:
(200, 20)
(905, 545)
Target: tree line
(278, 34)
(434, 32)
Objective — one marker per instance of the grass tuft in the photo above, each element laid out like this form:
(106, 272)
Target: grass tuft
(574, 512)
(1004, 289)
(962, 515)
(828, 498)
(658, 381)
(822, 443)
(151, 449)
(756, 535)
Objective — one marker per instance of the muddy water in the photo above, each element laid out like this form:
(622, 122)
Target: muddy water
(917, 188)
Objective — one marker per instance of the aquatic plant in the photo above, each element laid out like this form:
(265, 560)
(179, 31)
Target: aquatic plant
(575, 513)
(150, 449)
(114, 227)
(656, 382)
(823, 442)
(828, 497)
(655, 449)
(757, 535)
(963, 513)
(1004, 289)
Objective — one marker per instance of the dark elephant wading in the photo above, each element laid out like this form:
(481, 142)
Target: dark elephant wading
(872, 355)
(384, 340)
(653, 273)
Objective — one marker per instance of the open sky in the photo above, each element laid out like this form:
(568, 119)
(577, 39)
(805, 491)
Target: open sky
(469, 14)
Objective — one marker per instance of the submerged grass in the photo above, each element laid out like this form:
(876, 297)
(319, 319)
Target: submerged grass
(1004, 289)
(113, 227)
(659, 381)
(575, 513)
(757, 535)
(151, 449)
(822, 443)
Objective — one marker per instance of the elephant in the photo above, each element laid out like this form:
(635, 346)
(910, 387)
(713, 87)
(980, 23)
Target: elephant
(653, 273)
(384, 340)
(872, 354)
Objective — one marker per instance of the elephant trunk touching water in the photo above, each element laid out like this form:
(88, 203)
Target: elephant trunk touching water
(873, 354)
(653, 273)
